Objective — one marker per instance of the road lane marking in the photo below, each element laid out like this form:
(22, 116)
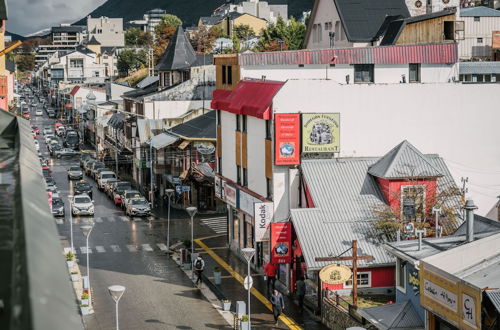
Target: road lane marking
(147, 247)
(84, 249)
(111, 219)
(162, 246)
(288, 321)
(124, 218)
(100, 249)
(131, 248)
(60, 221)
(115, 248)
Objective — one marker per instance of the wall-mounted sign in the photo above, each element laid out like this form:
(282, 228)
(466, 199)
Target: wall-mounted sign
(246, 203)
(263, 217)
(469, 309)
(441, 295)
(281, 238)
(205, 148)
(287, 133)
(414, 280)
(231, 194)
(320, 132)
(335, 274)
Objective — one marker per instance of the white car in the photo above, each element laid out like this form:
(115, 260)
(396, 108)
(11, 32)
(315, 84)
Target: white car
(49, 137)
(37, 145)
(82, 205)
(104, 176)
(38, 112)
(48, 130)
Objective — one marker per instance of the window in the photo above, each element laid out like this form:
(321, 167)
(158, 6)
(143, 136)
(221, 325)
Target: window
(229, 75)
(244, 123)
(238, 123)
(218, 114)
(401, 275)
(166, 79)
(363, 73)
(224, 81)
(76, 63)
(477, 19)
(414, 72)
(364, 280)
(415, 193)
(449, 30)
(245, 177)
(320, 33)
(479, 40)
(238, 174)
(269, 135)
(96, 73)
(487, 78)
(219, 166)
(269, 189)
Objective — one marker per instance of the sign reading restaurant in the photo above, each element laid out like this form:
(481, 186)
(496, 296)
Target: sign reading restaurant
(320, 132)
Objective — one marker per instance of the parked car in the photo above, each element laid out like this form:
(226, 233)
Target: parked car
(37, 145)
(57, 207)
(51, 113)
(67, 153)
(95, 166)
(49, 181)
(127, 194)
(36, 130)
(75, 173)
(138, 206)
(53, 191)
(84, 158)
(48, 137)
(87, 166)
(39, 112)
(109, 185)
(120, 187)
(60, 131)
(82, 187)
(82, 205)
(48, 130)
(103, 177)
(51, 143)
(72, 140)
(46, 171)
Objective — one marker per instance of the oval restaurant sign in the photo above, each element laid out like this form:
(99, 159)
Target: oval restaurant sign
(335, 274)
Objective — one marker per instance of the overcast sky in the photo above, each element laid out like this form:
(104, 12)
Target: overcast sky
(28, 16)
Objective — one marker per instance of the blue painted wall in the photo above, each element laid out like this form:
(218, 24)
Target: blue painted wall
(412, 290)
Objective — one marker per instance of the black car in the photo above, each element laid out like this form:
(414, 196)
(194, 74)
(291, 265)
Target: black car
(82, 187)
(55, 148)
(72, 140)
(67, 153)
(51, 113)
(57, 207)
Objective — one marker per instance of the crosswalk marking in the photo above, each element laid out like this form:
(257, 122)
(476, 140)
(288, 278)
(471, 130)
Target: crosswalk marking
(147, 247)
(111, 219)
(124, 218)
(83, 249)
(98, 220)
(115, 248)
(131, 248)
(219, 224)
(162, 246)
(100, 249)
(60, 221)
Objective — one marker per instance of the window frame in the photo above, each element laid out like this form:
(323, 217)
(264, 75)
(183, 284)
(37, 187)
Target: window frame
(238, 174)
(269, 189)
(369, 285)
(229, 74)
(479, 40)
(362, 68)
(224, 70)
(269, 130)
(399, 268)
(418, 72)
(245, 177)
(424, 195)
(244, 123)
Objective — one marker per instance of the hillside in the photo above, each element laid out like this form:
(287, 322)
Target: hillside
(188, 10)
(15, 37)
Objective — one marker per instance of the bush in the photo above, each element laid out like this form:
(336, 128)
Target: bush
(85, 296)
(69, 256)
(244, 318)
(74, 273)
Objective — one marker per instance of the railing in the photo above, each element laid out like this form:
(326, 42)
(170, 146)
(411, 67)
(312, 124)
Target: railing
(335, 299)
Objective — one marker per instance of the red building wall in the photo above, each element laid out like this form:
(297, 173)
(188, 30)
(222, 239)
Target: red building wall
(380, 277)
(392, 191)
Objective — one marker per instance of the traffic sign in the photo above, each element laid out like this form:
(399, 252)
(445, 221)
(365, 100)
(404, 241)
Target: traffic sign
(248, 282)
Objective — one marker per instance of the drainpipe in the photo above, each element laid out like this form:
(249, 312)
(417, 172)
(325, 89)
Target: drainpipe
(469, 211)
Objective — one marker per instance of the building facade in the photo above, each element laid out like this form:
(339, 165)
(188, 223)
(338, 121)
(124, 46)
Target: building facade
(108, 31)
(481, 23)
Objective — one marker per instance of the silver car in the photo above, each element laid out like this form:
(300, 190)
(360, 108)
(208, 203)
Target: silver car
(75, 173)
(82, 205)
(138, 206)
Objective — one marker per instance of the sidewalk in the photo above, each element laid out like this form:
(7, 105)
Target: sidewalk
(215, 253)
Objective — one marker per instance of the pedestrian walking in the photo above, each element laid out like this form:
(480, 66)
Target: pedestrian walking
(270, 272)
(199, 266)
(300, 291)
(278, 305)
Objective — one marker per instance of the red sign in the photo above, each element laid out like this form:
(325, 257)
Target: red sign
(281, 239)
(287, 133)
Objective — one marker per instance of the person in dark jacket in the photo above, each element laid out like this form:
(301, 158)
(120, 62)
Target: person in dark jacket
(199, 266)
(278, 305)
(300, 292)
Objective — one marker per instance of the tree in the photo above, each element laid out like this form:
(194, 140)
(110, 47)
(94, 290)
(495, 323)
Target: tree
(145, 39)
(170, 20)
(131, 60)
(25, 62)
(164, 31)
(216, 32)
(282, 36)
(201, 40)
(131, 36)
(243, 32)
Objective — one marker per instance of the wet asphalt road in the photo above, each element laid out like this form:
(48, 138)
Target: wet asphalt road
(130, 252)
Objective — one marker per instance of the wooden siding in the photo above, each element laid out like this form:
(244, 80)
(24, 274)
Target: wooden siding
(227, 60)
(269, 159)
(237, 144)
(244, 151)
(219, 141)
(428, 31)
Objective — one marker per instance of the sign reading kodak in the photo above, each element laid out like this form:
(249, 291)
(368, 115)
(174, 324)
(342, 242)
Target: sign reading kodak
(320, 132)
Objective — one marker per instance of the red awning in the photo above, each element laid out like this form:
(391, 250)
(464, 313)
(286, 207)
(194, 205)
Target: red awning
(250, 97)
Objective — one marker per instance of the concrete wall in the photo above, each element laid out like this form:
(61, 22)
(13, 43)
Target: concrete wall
(256, 134)
(117, 90)
(169, 109)
(453, 120)
(228, 127)
(469, 47)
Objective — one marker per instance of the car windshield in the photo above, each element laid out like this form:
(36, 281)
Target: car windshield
(82, 186)
(82, 200)
(57, 147)
(57, 202)
(123, 186)
(131, 194)
(139, 202)
(108, 175)
(74, 168)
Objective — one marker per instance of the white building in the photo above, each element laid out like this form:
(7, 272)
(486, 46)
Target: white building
(480, 22)
(79, 66)
(151, 20)
(108, 31)
(269, 10)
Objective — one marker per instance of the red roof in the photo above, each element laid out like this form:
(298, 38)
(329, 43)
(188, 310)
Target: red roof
(74, 90)
(250, 97)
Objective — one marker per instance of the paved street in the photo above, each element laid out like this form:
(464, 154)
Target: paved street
(130, 252)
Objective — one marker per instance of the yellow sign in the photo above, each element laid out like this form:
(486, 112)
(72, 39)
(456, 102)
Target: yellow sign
(320, 132)
(335, 274)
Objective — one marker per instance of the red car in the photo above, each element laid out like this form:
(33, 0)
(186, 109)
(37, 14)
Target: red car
(117, 198)
(36, 130)
(46, 171)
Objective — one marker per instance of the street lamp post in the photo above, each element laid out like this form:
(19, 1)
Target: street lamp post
(70, 198)
(248, 253)
(169, 193)
(116, 292)
(86, 232)
(151, 171)
(191, 210)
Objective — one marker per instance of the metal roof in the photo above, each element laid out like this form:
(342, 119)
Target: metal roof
(479, 68)
(179, 54)
(479, 11)
(201, 127)
(163, 140)
(399, 316)
(402, 162)
(103, 120)
(494, 296)
(148, 127)
(148, 81)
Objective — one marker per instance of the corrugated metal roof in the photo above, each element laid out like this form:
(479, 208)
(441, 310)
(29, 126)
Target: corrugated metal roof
(144, 127)
(397, 316)
(404, 161)
(163, 140)
(479, 11)
(479, 68)
(494, 296)
(103, 120)
(148, 81)
(394, 54)
(179, 54)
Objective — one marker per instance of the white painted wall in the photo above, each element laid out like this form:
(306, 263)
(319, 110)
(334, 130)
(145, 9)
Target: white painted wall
(170, 109)
(453, 120)
(326, 13)
(228, 127)
(256, 135)
(469, 47)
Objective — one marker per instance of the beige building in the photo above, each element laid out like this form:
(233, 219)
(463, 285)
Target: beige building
(108, 31)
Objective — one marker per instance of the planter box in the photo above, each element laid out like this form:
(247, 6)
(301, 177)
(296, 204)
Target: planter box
(244, 325)
(74, 277)
(70, 263)
(226, 306)
(85, 310)
(217, 278)
(84, 302)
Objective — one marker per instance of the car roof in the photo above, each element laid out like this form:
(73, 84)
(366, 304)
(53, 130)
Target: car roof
(107, 172)
(82, 195)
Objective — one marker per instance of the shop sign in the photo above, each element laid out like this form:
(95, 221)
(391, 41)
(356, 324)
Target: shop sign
(441, 295)
(263, 215)
(218, 187)
(287, 133)
(247, 202)
(469, 309)
(414, 280)
(231, 194)
(281, 238)
(205, 148)
(320, 132)
(335, 274)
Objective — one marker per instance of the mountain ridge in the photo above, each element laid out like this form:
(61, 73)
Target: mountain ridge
(188, 11)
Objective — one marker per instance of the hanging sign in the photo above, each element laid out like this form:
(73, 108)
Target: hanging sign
(281, 238)
(287, 133)
(263, 216)
(335, 274)
(320, 132)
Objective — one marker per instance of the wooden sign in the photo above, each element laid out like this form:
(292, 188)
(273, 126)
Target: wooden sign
(335, 274)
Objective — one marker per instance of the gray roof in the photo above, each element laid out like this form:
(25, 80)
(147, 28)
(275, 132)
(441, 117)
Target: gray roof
(479, 11)
(148, 81)
(485, 274)
(494, 296)
(201, 127)
(479, 67)
(93, 41)
(481, 225)
(204, 59)
(163, 140)
(402, 162)
(68, 29)
(399, 316)
(211, 20)
(362, 18)
(179, 54)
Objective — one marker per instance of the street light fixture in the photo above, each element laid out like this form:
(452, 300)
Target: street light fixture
(191, 210)
(70, 198)
(87, 229)
(169, 193)
(116, 292)
(248, 253)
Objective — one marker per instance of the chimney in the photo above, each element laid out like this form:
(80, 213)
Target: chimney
(469, 216)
